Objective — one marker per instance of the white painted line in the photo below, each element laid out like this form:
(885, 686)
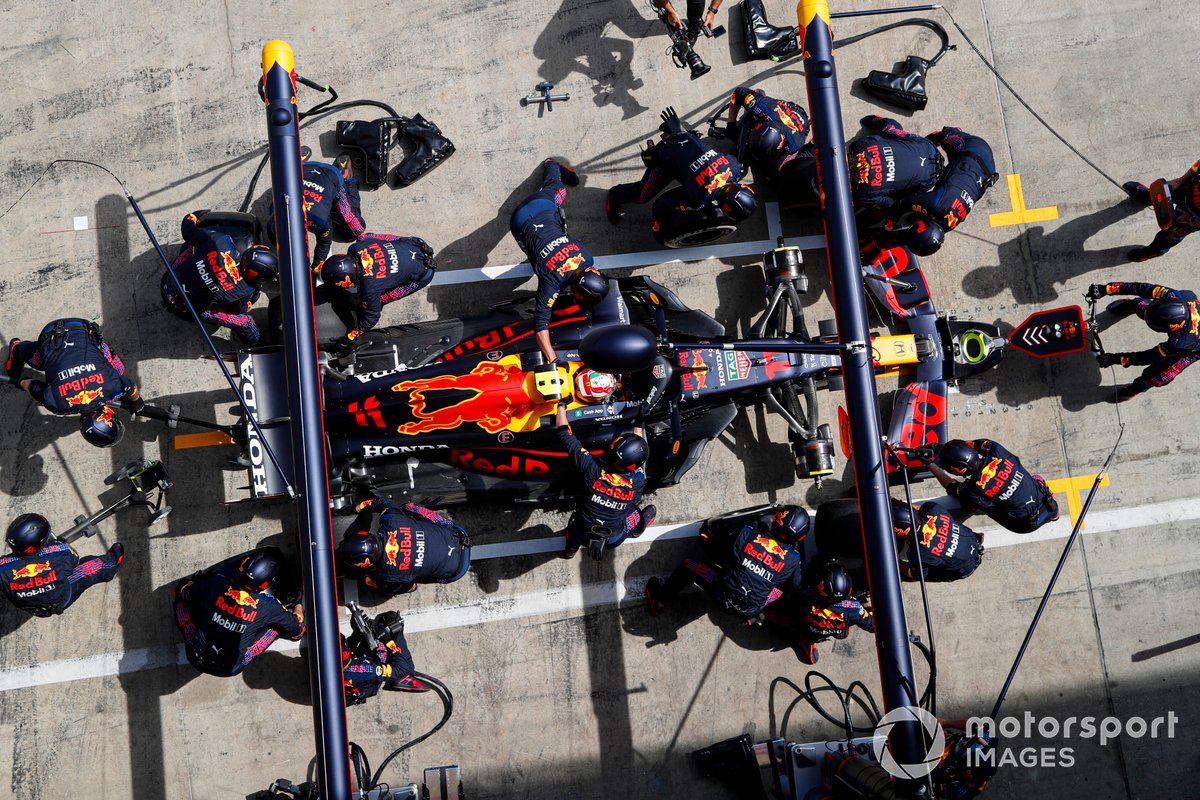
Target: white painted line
(564, 599)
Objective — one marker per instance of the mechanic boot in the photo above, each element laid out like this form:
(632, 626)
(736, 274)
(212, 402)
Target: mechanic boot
(647, 519)
(568, 176)
(1140, 254)
(1138, 192)
(1050, 503)
(408, 684)
(14, 373)
(612, 209)
(117, 551)
(652, 592)
(807, 653)
(305, 152)
(1127, 392)
(342, 162)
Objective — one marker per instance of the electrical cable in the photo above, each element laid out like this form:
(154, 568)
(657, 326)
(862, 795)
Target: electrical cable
(447, 698)
(1028, 107)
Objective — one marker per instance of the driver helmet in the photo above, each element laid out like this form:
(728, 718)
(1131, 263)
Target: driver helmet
(28, 533)
(958, 458)
(925, 237)
(593, 386)
(258, 571)
(100, 426)
(589, 285)
(790, 524)
(736, 200)
(341, 271)
(627, 452)
(359, 551)
(1166, 314)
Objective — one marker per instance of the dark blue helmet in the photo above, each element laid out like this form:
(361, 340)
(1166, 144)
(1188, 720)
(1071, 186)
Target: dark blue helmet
(28, 533)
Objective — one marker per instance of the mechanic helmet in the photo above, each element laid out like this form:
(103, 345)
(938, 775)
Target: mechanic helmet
(833, 582)
(590, 286)
(27, 533)
(1166, 314)
(101, 427)
(258, 571)
(764, 141)
(627, 452)
(594, 386)
(341, 271)
(902, 520)
(958, 458)
(737, 201)
(790, 524)
(925, 237)
(359, 551)
(260, 261)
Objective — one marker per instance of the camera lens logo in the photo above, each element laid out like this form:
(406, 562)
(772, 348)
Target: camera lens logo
(933, 732)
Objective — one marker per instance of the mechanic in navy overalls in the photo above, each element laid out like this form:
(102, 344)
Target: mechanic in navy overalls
(994, 483)
(745, 572)
(949, 550)
(389, 665)
(82, 374)
(609, 491)
(208, 269)
(823, 609)
(44, 576)
(1185, 219)
(382, 268)
(774, 130)
(331, 206)
(970, 172)
(410, 545)
(889, 166)
(705, 177)
(559, 261)
(228, 614)
(1174, 312)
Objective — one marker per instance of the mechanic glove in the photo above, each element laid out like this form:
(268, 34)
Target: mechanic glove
(874, 122)
(1096, 291)
(1108, 359)
(133, 404)
(926, 454)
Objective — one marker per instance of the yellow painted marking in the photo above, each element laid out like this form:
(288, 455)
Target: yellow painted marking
(186, 441)
(1020, 214)
(1073, 488)
(808, 10)
(278, 52)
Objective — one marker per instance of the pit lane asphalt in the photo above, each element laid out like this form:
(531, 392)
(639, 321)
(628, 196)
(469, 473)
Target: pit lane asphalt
(572, 703)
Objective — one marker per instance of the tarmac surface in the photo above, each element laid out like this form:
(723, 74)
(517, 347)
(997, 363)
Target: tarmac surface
(563, 685)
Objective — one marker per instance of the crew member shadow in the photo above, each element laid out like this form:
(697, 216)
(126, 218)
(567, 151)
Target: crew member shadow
(490, 573)
(1057, 257)
(579, 39)
(286, 674)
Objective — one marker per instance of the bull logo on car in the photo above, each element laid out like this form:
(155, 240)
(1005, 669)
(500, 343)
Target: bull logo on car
(488, 412)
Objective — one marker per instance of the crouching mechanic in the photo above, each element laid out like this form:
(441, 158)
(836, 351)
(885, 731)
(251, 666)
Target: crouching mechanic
(43, 575)
(228, 614)
(611, 489)
(744, 572)
(1178, 212)
(410, 545)
(1171, 311)
(823, 609)
(382, 269)
(994, 483)
(887, 167)
(970, 173)
(559, 261)
(707, 180)
(83, 375)
(219, 284)
(774, 130)
(331, 205)
(949, 550)
(378, 659)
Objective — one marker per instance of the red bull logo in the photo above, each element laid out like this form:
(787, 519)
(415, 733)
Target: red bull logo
(988, 473)
(766, 550)
(239, 604)
(85, 398)
(720, 179)
(231, 266)
(862, 168)
(31, 570)
(617, 479)
(928, 531)
(391, 549)
(480, 406)
(569, 265)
